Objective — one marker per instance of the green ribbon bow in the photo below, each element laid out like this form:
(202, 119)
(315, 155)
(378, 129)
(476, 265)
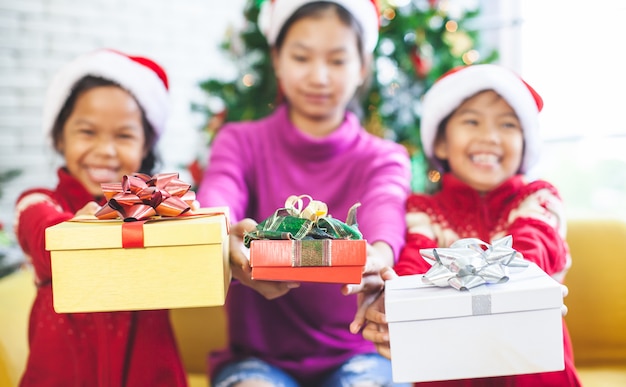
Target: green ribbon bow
(311, 222)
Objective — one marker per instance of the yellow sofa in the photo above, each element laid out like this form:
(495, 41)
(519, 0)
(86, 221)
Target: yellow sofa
(17, 292)
(596, 317)
(199, 331)
(596, 301)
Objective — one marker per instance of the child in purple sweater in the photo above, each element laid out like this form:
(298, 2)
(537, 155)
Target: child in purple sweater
(293, 334)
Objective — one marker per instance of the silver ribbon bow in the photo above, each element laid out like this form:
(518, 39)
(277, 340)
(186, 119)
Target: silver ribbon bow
(470, 262)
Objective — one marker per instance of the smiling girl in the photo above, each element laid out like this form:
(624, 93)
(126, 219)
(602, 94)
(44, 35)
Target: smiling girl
(480, 128)
(104, 112)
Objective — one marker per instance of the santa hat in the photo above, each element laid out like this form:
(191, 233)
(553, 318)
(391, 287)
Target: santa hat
(460, 83)
(275, 13)
(140, 76)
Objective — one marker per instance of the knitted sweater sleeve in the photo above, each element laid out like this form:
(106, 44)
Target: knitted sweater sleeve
(384, 200)
(537, 224)
(36, 211)
(223, 183)
(420, 234)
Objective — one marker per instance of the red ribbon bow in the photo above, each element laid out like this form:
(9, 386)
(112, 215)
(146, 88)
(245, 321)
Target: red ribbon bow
(139, 197)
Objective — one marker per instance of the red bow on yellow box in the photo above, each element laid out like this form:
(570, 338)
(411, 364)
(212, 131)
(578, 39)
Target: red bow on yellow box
(140, 197)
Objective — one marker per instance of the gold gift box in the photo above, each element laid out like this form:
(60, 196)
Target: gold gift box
(183, 264)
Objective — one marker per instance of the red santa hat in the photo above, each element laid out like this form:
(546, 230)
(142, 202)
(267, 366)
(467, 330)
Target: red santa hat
(275, 13)
(142, 77)
(460, 83)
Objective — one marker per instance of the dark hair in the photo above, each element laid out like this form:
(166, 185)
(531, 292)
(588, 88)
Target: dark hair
(87, 83)
(317, 8)
(436, 163)
(437, 167)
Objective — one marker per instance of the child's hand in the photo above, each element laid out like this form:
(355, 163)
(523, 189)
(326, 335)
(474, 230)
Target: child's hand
(379, 259)
(365, 300)
(194, 206)
(240, 264)
(376, 329)
(88, 210)
(565, 291)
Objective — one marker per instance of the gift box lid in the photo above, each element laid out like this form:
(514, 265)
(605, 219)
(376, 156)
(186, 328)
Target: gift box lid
(209, 226)
(407, 298)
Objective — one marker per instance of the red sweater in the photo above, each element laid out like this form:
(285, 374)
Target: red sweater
(88, 349)
(531, 212)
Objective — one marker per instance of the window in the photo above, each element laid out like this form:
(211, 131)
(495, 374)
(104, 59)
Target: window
(572, 53)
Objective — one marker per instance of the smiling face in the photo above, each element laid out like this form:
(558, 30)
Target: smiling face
(483, 142)
(103, 137)
(319, 68)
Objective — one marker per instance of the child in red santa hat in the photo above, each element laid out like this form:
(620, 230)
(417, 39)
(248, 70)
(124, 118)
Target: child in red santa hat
(104, 113)
(480, 129)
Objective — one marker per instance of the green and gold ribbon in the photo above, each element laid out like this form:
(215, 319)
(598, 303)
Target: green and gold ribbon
(299, 222)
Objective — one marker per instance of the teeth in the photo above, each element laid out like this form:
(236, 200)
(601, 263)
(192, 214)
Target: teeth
(485, 158)
(102, 174)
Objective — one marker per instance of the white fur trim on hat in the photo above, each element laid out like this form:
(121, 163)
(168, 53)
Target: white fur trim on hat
(452, 89)
(141, 81)
(274, 14)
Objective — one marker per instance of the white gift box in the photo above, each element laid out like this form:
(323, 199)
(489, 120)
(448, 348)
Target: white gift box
(440, 333)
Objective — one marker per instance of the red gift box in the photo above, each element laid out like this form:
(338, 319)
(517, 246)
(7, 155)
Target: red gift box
(316, 260)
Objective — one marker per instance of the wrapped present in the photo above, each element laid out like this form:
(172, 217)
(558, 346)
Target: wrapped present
(144, 250)
(305, 244)
(480, 311)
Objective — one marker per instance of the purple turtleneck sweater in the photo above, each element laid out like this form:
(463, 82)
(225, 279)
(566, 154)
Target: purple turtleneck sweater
(253, 168)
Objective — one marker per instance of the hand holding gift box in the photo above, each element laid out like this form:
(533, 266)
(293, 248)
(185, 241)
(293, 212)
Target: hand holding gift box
(305, 243)
(146, 249)
(467, 317)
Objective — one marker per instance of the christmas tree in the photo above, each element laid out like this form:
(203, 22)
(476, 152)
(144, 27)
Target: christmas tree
(419, 41)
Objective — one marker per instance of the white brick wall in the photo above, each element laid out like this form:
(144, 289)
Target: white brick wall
(38, 36)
